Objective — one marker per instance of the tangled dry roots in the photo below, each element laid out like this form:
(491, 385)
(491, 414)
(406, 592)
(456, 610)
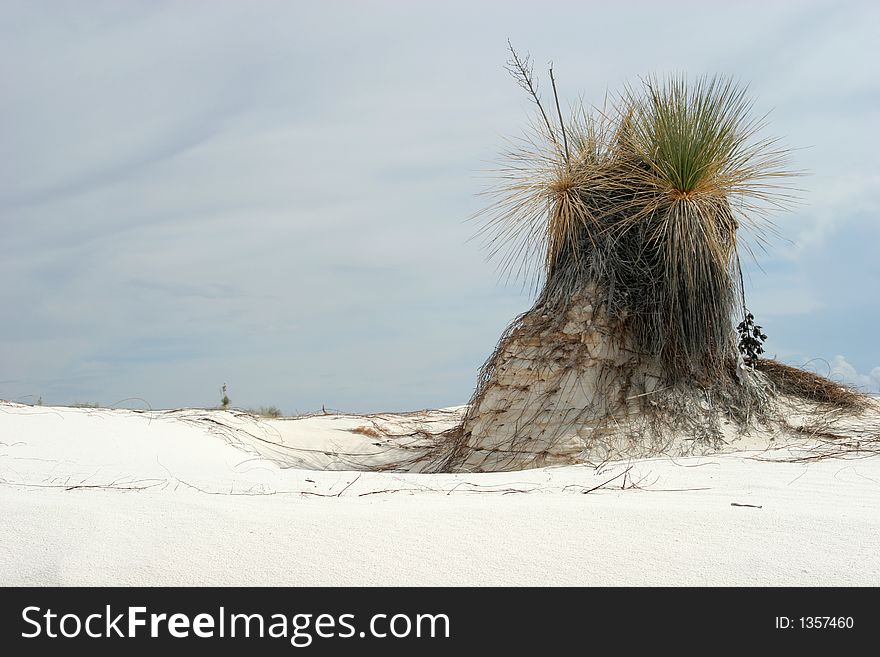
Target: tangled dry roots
(811, 387)
(565, 385)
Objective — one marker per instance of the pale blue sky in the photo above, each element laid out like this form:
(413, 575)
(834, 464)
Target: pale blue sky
(274, 194)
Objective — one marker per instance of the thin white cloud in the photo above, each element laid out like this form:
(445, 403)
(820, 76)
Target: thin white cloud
(844, 371)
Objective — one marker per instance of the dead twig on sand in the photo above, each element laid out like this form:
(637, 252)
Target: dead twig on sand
(349, 485)
(604, 483)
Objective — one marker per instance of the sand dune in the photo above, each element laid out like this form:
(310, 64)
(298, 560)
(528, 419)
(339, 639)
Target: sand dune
(113, 497)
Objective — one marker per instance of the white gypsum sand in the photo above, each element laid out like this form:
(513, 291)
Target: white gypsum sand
(196, 497)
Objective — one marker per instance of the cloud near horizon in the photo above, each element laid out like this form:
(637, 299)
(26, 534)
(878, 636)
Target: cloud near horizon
(842, 370)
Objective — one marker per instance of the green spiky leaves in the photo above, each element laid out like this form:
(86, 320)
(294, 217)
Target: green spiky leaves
(689, 135)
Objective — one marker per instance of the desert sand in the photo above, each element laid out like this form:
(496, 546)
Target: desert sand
(206, 497)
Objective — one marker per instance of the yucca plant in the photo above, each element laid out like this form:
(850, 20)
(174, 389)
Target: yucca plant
(631, 219)
(627, 217)
(642, 201)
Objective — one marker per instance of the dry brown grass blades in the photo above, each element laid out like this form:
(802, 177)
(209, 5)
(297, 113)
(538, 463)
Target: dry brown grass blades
(811, 387)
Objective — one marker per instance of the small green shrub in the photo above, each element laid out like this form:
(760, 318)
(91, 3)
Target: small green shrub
(266, 411)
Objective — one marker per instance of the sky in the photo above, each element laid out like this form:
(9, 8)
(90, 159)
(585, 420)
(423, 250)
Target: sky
(276, 196)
